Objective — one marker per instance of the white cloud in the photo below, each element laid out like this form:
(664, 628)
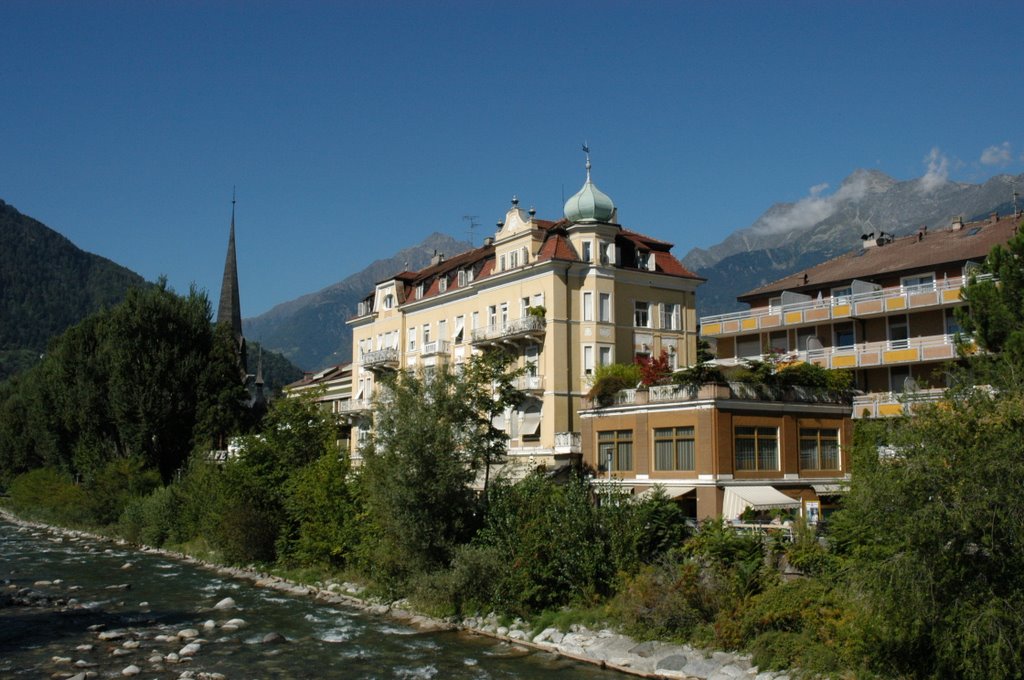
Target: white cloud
(997, 154)
(814, 208)
(938, 170)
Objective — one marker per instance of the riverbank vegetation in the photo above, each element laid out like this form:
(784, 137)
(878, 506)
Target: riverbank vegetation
(916, 577)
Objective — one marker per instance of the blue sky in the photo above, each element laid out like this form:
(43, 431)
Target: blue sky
(352, 129)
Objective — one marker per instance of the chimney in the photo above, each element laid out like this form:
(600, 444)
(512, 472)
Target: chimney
(437, 258)
(489, 241)
(958, 223)
(994, 217)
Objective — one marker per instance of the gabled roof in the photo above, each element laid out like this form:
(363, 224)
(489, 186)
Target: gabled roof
(323, 375)
(555, 246)
(917, 252)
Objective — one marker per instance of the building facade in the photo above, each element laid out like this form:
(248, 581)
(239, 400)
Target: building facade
(884, 311)
(561, 297)
(721, 449)
(331, 389)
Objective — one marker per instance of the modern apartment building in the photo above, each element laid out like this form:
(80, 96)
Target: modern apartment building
(561, 297)
(884, 311)
(721, 449)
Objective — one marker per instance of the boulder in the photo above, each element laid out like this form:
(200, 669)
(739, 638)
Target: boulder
(226, 603)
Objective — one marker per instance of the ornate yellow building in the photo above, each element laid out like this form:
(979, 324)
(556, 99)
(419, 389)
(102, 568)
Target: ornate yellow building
(561, 297)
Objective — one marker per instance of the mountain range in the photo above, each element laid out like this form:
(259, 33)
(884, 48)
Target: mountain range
(789, 237)
(310, 330)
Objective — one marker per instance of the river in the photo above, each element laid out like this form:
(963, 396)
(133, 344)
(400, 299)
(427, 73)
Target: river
(112, 590)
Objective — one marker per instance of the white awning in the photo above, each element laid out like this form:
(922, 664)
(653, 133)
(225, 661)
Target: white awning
(460, 327)
(673, 491)
(739, 498)
(829, 489)
(531, 423)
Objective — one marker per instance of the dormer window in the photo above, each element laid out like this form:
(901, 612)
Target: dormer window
(526, 255)
(513, 259)
(442, 284)
(462, 278)
(389, 301)
(643, 260)
(419, 291)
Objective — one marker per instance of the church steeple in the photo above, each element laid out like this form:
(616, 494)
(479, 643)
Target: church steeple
(230, 310)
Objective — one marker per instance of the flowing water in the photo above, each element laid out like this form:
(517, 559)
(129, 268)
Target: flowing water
(151, 598)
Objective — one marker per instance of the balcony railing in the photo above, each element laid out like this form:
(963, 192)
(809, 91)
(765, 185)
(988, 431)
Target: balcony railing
(870, 354)
(861, 305)
(524, 327)
(732, 390)
(350, 406)
(436, 347)
(568, 442)
(530, 383)
(381, 358)
(883, 404)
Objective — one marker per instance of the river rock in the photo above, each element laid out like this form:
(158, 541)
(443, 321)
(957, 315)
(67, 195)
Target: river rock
(120, 586)
(83, 648)
(108, 635)
(155, 659)
(60, 659)
(274, 638)
(188, 634)
(226, 603)
(237, 623)
(131, 644)
(209, 624)
(131, 670)
(42, 584)
(172, 658)
(191, 649)
(126, 566)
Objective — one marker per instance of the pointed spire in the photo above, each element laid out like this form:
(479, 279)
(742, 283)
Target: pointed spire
(229, 310)
(259, 368)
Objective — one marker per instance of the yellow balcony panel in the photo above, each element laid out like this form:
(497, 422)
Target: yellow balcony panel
(844, 361)
(817, 314)
(895, 303)
(896, 356)
(869, 307)
(794, 318)
(890, 409)
(730, 327)
(936, 352)
(870, 357)
(749, 324)
(770, 321)
(841, 311)
(951, 295)
(926, 299)
(712, 329)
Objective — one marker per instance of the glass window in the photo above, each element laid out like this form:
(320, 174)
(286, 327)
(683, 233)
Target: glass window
(778, 341)
(670, 318)
(899, 332)
(748, 345)
(615, 450)
(674, 449)
(844, 334)
(605, 310)
(492, 315)
(442, 284)
(504, 313)
(426, 333)
(606, 356)
(442, 329)
(819, 448)
(588, 359)
(412, 339)
(642, 314)
(952, 325)
(588, 306)
(841, 296)
(920, 282)
(588, 254)
(757, 448)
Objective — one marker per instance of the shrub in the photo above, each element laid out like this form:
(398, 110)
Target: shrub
(641, 532)
(149, 519)
(111, 488)
(49, 495)
(608, 380)
(667, 601)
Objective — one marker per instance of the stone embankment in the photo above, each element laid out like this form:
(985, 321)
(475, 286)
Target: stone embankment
(604, 648)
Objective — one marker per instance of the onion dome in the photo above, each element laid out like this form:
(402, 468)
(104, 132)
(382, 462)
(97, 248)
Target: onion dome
(589, 204)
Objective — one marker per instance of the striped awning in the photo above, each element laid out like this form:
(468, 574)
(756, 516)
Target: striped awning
(739, 498)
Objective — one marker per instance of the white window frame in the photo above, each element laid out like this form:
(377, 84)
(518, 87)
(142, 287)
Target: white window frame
(605, 311)
(605, 355)
(641, 307)
(411, 335)
(588, 359)
(588, 251)
(588, 305)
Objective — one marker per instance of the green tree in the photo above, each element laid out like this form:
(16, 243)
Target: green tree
(994, 316)
(432, 433)
(935, 538)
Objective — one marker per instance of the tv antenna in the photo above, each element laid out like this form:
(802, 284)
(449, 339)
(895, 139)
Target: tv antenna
(473, 224)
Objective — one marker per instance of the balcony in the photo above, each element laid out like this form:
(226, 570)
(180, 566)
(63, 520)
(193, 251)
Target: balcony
(885, 404)
(733, 390)
(870, 354)
(525, 328)
(380, 359)
(353, 406)
(530, 383)
(943, 293)
(568, 442)
(436, 347)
